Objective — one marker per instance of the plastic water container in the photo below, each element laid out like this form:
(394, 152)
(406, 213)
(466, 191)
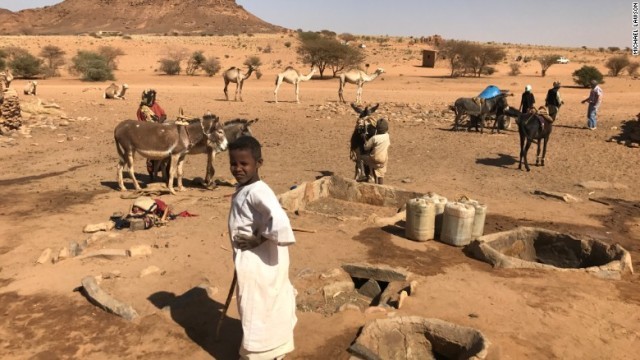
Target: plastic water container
(421, 214)
(478, 219)
(440, 202)
(457, 223)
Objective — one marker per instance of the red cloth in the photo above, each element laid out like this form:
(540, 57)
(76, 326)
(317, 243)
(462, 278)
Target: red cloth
(161, 206)
(157, 110)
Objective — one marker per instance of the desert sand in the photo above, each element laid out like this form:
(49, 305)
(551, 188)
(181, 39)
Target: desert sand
(58, 178)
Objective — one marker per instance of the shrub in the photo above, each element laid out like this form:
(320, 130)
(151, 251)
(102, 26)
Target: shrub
(110, 54)
(170, 66)
(26, 66)
(253, 61)
(3, 56)
(211, 66)
(616, 64)
(585, 74)
(632, 69)
(613, 48)
(515, 69)
(91, 66)
(267, 49)
(347, 37)
(601, 49)
(195, 62)
(287, 44)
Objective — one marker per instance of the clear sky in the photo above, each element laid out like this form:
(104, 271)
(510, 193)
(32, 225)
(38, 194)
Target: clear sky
(593, 23)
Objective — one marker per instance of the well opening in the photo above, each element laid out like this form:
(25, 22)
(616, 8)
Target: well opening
(535, 247)
(414, 337)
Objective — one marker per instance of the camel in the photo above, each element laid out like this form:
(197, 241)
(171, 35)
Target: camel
(292, 76)
(357, 77)
(235, 75)
(31, 88)
(115, 92)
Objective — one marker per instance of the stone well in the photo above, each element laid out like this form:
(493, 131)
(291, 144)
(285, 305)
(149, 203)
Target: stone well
(414, 337)
(344, 189)
(544, 249)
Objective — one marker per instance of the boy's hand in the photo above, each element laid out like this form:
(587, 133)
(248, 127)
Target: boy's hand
(247, 242)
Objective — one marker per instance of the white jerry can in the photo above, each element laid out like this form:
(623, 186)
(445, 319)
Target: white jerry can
(457, 223)
(440, 202)
(478, 219)
(420, 222)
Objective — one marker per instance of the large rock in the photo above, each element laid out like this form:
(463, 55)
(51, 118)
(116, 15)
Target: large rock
(376, 272)
(106, 301)
(417, 338)
(370, 289)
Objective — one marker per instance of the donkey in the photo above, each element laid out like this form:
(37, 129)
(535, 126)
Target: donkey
(157, 141)
(363, 131)
(233, 129)
(535, 125)
(478, 112)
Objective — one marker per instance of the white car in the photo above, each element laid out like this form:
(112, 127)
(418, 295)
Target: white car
(562, 60)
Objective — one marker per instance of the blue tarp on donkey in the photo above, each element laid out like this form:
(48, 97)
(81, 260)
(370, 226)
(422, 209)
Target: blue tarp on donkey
(489, 92)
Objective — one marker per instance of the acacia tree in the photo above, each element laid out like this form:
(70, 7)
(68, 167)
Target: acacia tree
(546, 61)
(470, 58)
(54, 57)
(325, 51)
(452, 51)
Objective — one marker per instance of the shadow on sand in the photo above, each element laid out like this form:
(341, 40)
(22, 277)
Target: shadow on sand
(503, 161)
(198, 314)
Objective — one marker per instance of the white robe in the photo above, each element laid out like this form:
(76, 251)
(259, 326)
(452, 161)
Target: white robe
(266, 298)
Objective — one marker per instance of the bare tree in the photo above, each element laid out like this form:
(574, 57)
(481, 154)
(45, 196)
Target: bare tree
(546, 61)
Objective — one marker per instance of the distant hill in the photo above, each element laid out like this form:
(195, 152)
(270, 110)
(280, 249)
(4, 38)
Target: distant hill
(135, 17)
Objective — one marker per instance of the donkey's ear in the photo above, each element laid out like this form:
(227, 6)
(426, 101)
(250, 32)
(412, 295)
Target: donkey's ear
(373, 109)
(252, 122)
(356, 108)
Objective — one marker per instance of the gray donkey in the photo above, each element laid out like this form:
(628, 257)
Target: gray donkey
(233, 129)
(157, 141)
(478, 112)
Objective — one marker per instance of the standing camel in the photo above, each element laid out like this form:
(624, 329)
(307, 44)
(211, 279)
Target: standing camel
(357, 77)
(235, 75)
(292, 76)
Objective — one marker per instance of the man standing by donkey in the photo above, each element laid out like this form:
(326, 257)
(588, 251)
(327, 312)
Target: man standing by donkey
(553, 100)
(594, 100)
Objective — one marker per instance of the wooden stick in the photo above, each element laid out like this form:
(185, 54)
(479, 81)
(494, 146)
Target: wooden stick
(303, 230)
(599, 201)
(226, 304)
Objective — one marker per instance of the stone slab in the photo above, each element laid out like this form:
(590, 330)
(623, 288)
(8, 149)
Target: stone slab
(376, 272)
(106, 301)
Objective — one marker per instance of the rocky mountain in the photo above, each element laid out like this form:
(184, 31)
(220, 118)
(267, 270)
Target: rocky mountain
(135, 17)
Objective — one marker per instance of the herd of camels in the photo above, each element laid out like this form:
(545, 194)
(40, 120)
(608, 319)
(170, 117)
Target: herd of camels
(289, 75)
(292, 76)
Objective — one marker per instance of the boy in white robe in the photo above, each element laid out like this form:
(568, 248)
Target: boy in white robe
(260, 235)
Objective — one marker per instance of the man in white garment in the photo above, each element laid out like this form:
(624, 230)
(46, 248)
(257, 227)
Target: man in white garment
(260, 235)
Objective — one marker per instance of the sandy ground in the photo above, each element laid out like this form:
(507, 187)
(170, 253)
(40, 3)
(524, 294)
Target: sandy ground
(59, 178)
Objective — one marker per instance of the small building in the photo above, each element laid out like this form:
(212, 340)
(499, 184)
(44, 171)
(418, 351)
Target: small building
(429, 58)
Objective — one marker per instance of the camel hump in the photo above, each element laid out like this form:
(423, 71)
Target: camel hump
(289, 68)
(232, 68)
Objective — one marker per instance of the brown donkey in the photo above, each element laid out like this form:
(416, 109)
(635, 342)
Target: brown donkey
(157, 141)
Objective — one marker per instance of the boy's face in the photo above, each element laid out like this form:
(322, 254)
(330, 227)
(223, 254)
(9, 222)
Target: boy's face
(244, 167)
